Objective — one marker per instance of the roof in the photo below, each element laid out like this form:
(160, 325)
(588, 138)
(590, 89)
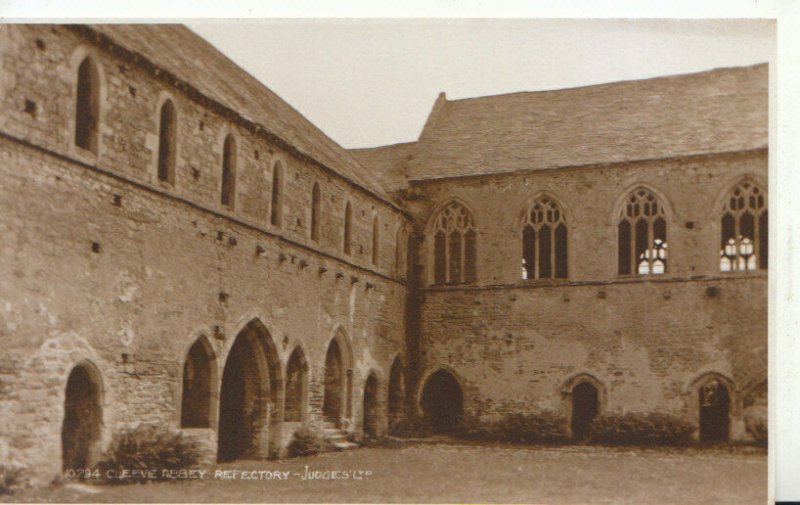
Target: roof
(721, 110)
(189, 57)
(387, 162)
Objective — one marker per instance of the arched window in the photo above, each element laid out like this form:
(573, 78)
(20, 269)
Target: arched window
(348, 225)
(276, 210)
(744, 241)
(544, 241)
(376, 239)
(229, 172)
(642, 235)
(454, 245)
(316, 200)
(401, 261)
(87, 112)
(167, 137)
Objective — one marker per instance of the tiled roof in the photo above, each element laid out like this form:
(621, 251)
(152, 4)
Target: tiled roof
(186, 55)
(720, 110)
(387, 163)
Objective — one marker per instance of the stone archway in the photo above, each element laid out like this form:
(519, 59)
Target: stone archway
(585, 407)
(715, 411)
(80, 432)
(442, 401)
(396, 392)
(199, 377)
(370, 421)
(296, 387)
(248, 395)
(336, 404)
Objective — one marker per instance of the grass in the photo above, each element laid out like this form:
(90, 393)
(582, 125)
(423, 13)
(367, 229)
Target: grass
(470, 473)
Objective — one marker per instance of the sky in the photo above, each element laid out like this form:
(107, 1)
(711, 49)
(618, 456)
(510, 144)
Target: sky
(372, 82)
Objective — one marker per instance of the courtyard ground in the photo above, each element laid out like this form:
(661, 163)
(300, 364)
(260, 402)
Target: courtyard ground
(463, 473)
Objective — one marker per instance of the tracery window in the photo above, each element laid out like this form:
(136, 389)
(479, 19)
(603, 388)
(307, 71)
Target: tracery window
(744, 240)
(544, 241)
(642, 232)
(454, 243)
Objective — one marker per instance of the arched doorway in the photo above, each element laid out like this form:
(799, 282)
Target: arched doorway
(585, 407)
(198, 377)
(338, 379)
(442, 401)
(715, 404)
(296, 369)
(247, 395)
(370, 421)
(80, 433)
(396, 392)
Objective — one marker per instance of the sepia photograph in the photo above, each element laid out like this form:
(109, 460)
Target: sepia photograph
(417, 260)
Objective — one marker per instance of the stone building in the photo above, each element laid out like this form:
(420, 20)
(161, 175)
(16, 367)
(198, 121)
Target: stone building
(183, 248)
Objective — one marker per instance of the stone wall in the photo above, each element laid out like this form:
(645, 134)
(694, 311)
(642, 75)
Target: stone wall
(101, 262)
(516, 344)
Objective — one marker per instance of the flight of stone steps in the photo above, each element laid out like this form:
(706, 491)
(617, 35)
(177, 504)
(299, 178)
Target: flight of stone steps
(337, 438)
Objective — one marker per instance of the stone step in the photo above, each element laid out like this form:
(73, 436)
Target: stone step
(344, 446)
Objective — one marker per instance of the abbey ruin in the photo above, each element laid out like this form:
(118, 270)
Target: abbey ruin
(181, 247)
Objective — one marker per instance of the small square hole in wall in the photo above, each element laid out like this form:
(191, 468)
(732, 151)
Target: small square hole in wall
(256, 154)
(30, 107)
(201, 126)
(689, 225)
(95, 247)
(40, 45)
(132, 91)
(195, 173)
(117, 200)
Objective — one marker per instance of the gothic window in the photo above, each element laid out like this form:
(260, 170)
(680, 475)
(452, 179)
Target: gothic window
(315, 208)
(375, 240)
(228, 172)
(348, 228)
(642, 234)
(454, 245)
(167, 136)
(544, 241)
(87, 111)
(276, 209)
(744, 240)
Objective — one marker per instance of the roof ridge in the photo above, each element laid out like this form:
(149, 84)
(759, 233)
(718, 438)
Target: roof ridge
(610, 83)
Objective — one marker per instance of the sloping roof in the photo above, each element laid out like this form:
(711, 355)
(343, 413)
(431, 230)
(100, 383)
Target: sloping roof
(387, 163)
(715, 111)
(189, 57)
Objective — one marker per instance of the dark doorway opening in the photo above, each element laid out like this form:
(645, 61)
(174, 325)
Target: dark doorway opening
(396, 392)
(197, 379)
(371, 407)
(442, 402)
(246, 394)
(80, 432)
(334, 384)
(714, 412)
(584, 409)
(295, 387)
